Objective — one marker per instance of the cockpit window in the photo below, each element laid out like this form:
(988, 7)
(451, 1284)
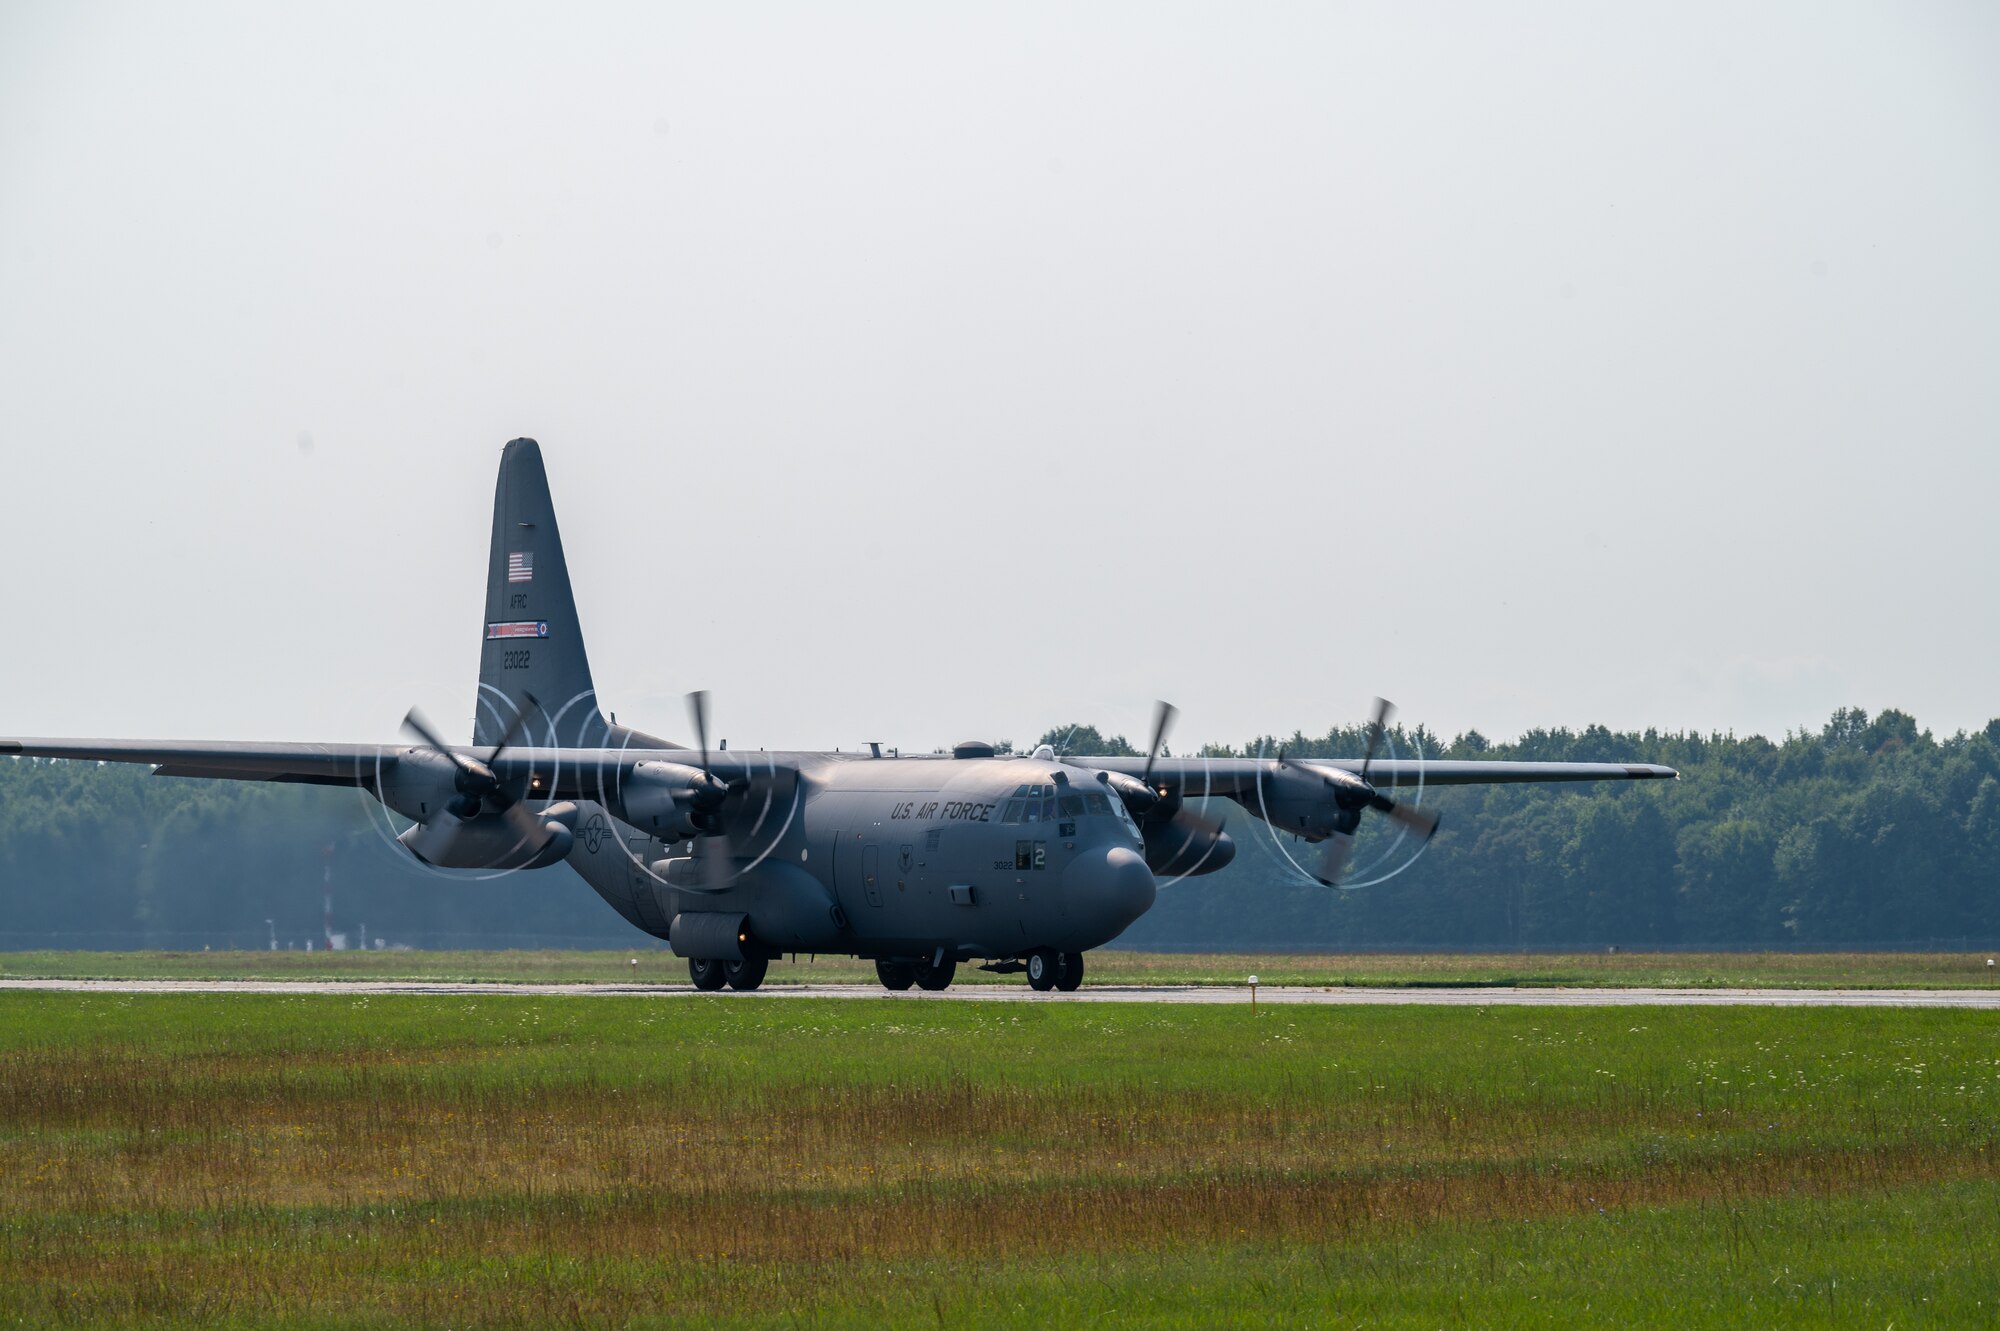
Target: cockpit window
(1124, 814)
(1040, 802)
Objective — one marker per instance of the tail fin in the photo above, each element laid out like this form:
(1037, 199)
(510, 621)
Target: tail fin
(533, 643)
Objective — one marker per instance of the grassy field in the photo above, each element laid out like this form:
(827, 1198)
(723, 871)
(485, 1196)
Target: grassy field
(504, 1160)
(1873, 970)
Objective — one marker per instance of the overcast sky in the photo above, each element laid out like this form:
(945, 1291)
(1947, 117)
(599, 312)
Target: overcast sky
(921, 372)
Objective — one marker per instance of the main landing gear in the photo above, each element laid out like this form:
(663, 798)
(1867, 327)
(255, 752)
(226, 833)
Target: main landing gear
(1049, 969)
(742, 975)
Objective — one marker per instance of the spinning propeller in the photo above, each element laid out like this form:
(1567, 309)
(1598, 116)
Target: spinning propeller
(479, 788)
(1165, 805)
(718, 854)
(1359, 795)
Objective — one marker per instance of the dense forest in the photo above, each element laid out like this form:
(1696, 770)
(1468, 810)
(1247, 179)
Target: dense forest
(1870, 832)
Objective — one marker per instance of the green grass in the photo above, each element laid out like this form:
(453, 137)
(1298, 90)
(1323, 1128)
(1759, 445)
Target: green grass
(507, 1160)
(1927, 970)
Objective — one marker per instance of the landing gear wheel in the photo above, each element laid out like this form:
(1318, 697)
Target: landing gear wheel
(897, 975)
(935, 978)
(1070, 974)
(1044, 965)
(747, 974)
(707, 975)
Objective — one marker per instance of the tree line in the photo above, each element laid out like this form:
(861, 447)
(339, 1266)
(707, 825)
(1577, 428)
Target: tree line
(1868, 832)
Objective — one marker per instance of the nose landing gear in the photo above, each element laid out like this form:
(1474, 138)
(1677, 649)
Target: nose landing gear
(1049, 969)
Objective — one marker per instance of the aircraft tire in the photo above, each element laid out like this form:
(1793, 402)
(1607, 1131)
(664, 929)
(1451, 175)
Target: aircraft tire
(707, 975)
(1044, 965)
(1070, 974)
(897, 975)
(936, 978)
(747, 974)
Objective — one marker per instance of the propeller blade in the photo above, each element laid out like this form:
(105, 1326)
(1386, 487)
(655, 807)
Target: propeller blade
(698, 716)
(476, 781)
(415, 723)
(515, 726)
(1422, 822)
(1378, 727)
(1333, 859)
(528, 830)
(1163, 719)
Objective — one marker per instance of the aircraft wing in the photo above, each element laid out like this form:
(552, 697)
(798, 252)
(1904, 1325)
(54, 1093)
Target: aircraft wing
(1409, 771)
(570, 773)
(1222, 776)
(315, 764)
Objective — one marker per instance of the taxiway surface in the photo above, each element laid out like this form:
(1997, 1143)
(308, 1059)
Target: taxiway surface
(1467, 996)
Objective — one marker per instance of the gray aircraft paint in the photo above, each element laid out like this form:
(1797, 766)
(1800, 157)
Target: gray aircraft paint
(886, 857)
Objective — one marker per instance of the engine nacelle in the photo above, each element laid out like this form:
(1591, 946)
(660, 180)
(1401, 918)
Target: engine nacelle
(666, 799)
(493, 841)
(418, 783)
(1309, 803)
(1179, 842)
(1138, 796)
(1186, 846)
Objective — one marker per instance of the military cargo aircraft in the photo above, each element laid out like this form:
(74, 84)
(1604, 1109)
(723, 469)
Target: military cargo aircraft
(920, 863)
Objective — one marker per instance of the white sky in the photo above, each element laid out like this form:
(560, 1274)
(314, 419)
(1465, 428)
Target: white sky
(920, 372)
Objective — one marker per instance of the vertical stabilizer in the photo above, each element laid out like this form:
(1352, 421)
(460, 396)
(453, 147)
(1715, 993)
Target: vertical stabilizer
(533, 643)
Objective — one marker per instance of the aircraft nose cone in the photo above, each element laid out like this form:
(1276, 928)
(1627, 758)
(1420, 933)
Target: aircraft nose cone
(1114, 881)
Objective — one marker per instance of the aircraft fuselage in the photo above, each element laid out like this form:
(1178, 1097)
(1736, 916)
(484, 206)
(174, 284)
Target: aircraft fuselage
(893, 857)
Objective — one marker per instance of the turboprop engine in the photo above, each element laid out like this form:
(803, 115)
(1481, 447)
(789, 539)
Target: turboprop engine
(671, 800)
(465, 816)
(519, 838)
(1324, 804)
(1180, 842)
(1314, 803)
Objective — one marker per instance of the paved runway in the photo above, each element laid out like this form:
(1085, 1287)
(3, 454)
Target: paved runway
(1019, 993)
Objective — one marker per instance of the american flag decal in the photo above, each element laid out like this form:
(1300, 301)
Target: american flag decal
(521, 566)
